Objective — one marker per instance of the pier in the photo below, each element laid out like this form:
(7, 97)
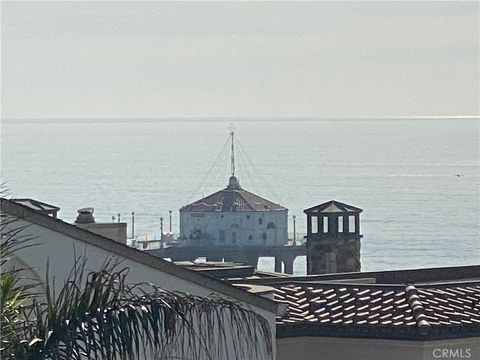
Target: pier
(245, 254)
(231, 225)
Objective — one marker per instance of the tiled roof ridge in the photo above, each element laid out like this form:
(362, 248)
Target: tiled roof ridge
(291, 281)
(418, 312)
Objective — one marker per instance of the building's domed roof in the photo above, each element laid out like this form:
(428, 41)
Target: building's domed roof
(233, 198)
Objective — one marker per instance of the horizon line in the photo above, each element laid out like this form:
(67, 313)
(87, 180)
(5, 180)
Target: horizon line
(243, 118)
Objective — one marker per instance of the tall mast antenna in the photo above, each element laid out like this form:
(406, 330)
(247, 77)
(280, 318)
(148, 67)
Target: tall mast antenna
(232, 161)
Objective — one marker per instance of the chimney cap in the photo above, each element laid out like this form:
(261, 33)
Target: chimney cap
(85, 216)
(85, 210)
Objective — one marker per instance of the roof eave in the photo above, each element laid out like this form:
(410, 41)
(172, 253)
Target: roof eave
(411, 333)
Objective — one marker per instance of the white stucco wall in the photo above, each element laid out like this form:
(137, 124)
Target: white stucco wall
(58, 249)
(249, 228)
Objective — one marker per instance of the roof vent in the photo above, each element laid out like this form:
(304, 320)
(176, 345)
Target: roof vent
(85, 216)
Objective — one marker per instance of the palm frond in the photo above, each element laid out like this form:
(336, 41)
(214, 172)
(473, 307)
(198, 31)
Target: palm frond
(106, 317)
(17, 291)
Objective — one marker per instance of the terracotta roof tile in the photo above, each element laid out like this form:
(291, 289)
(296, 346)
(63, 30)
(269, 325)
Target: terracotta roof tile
(410, 310)
(232, 200)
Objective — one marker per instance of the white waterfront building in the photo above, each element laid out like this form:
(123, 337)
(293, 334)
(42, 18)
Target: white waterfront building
(234, 216)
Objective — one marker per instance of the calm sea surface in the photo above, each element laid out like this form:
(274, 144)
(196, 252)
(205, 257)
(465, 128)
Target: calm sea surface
(417, 180)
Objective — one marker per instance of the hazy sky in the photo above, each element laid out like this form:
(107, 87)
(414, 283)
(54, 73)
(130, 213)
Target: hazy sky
(157, 59)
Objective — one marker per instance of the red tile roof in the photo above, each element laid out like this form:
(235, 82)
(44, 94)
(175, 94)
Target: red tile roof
(233, 200)
(386, 311)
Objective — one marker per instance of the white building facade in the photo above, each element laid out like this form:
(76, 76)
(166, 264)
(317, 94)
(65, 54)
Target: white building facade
(234, 217)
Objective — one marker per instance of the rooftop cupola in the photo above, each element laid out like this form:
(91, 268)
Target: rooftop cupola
(233, 183)
(333, 238)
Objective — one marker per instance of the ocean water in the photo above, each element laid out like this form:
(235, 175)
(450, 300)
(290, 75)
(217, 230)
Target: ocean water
(417, 180)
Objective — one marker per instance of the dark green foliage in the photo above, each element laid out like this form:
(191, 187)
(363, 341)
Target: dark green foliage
(16, 292)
